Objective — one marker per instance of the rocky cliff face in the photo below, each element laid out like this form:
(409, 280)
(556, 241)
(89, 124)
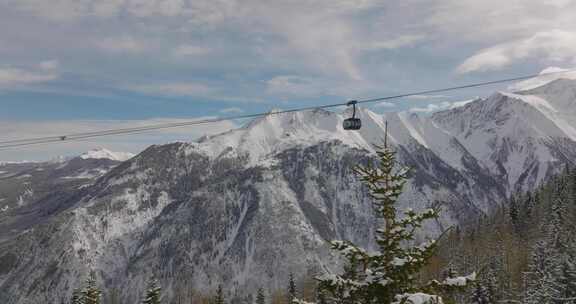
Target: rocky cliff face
(247, 207)
(31, 192)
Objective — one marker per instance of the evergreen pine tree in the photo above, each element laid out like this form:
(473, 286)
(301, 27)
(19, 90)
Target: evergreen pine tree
(491, 280)
(91, 293)
(500, 281)
(219, 299)
(513, 213)
(556, 236)
(260, 299)
(567, 278)
(291, 288)
(388, 275)
(152, 293)
(572, 183)
(542, 279)
(76, 296)
(546, 279)
(320, 297)
(528, 209)
(481, 295)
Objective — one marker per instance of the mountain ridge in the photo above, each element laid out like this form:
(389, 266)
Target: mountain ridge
(248, 206)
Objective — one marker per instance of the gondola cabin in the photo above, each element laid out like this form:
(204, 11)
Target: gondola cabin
(352, 123)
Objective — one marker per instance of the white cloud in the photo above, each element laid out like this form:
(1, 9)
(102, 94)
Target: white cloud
(325, 40)
(303, 86)
(547, 75)
(506, 32)
(127, 143)
(495, 21)
(328, 37)
(323, 37)
(555, 46)
(232, 110)
(190, 50)
(14, 77)
(49, 65)
(174, 89)
(335, 44)
(385, 104)
(427, 96)
(70, 10)
(123, 44)
(188, 89)
(294, 86)
(433, 107)
(394, 43)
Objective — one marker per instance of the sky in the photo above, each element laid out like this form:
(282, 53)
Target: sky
(70, 66)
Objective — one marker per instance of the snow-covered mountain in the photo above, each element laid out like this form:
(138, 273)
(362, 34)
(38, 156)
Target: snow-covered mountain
(101, 153)
(248, 206)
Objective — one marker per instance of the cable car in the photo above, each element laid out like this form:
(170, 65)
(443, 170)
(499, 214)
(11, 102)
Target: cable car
(352, 123)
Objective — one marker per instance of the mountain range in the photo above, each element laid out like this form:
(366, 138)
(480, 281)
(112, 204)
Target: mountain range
(249, 206)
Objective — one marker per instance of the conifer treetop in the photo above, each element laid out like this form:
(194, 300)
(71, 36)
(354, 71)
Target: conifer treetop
(153, 292)
(389, 274)
(91, 293)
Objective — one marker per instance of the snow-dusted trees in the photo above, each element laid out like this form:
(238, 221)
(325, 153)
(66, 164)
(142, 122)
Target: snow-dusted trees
(523, 256)
(513, 213)
(320, 297)
(551, 274)
(567, 277)
(291, 288)
(219, 298)
(541, 277)
(152, 292)
(390, 274)
(76, 296)
(260, 299)
(481, 295)
(91, 293)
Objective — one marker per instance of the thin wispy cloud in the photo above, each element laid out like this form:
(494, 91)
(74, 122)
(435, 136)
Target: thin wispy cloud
(232, 111)
(547, 75)
(190, 50)
(123, 44)
(394, 43)
(49, 65)
(423, 97)
(174, 89)
(19, 77)
(434, 107)
(133, 143)
(552, 46)
(385, 104)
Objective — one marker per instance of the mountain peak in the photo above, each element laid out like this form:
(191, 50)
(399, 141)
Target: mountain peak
(546, 77)
(101, 153)
(560, 92)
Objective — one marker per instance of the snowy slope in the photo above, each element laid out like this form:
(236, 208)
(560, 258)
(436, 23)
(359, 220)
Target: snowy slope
(101, 153)
(30, 191)
(516, 135)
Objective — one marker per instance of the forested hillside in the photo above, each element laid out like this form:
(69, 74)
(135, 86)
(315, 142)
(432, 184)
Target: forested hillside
(525, 252)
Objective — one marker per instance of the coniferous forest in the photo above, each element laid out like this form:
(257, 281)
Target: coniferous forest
(524, 253)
